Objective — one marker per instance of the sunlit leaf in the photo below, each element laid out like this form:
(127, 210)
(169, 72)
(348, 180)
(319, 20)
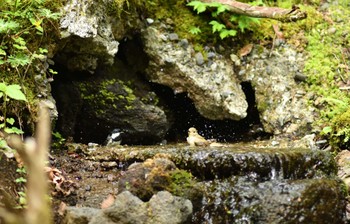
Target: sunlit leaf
(2, 52)
(10, 120)
(216, 26)
(13, 130)
(18, 59)
(5, 26)
(14, 92)
(198, 6)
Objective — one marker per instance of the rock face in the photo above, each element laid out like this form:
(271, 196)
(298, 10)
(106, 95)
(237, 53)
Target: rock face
(92, 107)
(162, 208)
(87, 34)
(99, 90)
(212, 86)
(281, 100)
(91, 46)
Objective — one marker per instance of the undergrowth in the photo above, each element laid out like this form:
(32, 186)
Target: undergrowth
(28, 29)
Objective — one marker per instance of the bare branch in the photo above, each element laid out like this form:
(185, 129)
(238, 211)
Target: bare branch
(34, 154)
(284, 15)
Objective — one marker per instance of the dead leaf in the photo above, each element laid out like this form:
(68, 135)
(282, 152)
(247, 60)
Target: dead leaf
(108, 201)
(245, 50)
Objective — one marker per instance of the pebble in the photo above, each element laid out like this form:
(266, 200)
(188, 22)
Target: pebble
(199, 58)
(183, 43)
(235, 59)
(149, 20)
(211, 55)
(87, 188)
(173, 36)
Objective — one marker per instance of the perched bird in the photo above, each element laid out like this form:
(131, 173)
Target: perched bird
(195, 139)
(114, 138)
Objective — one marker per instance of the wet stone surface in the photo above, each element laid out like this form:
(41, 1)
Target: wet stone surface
(234, 183)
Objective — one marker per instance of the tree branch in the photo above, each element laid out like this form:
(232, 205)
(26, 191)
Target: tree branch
(34, 154)
(283, 15)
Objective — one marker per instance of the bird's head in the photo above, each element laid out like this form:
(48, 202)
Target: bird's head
(192, 131)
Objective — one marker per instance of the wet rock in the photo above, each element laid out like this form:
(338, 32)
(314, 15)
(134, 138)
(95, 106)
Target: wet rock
(245, 184)
(145, 179)
(261, 163)
(117, 97)
(175, 66)
(238, 200)
(273, 76)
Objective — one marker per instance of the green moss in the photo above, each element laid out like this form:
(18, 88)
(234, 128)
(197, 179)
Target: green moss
(325, 71)
(180, 182)
(100, 95)
(262, 106)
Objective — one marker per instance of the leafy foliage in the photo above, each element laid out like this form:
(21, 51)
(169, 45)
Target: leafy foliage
(8, 92)
(217, 9)
(25, 26)
(20, 22)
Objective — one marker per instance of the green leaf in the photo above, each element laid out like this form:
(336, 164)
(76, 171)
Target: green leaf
(6, 26)
(198, 6)
(21, 180)
(38, 56)
(3, 144)
(48, 14)
(234, 18)
(13, 130)
(221, 8)
(327, 130)
(3, 87)
(14, 92)
(216, 26)
(19, 47)
(195, 30)
(53, 72)
(2, 52)
(43, 50)
(19, 59)
(19, 40)
(226, 33)
(10, 120)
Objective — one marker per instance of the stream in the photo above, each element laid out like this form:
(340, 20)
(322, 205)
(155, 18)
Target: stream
(233, 183)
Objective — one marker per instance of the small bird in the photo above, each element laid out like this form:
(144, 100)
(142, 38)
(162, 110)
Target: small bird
(114, 138)
(195, 139)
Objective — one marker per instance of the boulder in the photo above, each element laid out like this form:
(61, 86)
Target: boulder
(281, 98)
(163, 208)
(212, 86)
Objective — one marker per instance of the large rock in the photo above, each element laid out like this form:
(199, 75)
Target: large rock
(91, 32)
(212, 86)
(91, 108)
(281, 99)
(163, 208)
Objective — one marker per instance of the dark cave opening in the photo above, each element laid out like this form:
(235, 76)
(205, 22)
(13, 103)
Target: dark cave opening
(186, 116)
(179, 108)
